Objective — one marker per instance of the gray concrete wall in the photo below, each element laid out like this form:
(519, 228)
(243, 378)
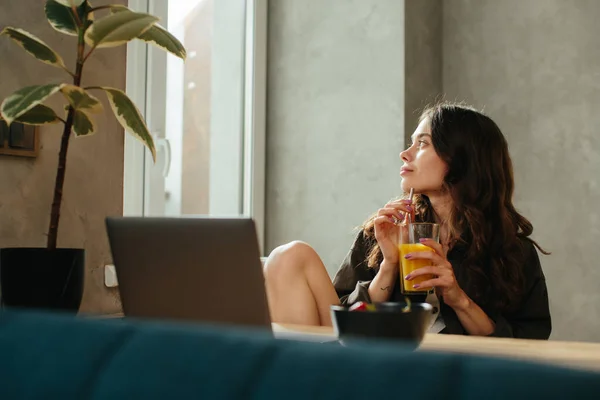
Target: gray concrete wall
(335, 118)
(94, 180)
(346, 77)
(423, 59)
(535, 67)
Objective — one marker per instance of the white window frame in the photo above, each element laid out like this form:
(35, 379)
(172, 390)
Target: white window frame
(253, 149)
(255, 126)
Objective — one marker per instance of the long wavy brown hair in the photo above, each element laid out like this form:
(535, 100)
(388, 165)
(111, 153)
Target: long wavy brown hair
(483, 218)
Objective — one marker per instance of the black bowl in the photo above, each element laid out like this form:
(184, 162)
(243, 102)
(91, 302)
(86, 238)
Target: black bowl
(387, 321)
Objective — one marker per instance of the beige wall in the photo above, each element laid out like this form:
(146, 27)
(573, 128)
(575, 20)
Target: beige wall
(94, 179)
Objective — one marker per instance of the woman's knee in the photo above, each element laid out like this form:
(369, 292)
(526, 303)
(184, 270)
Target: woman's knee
(288, 259)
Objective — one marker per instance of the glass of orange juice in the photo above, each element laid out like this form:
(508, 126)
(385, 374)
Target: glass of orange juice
(409, 237)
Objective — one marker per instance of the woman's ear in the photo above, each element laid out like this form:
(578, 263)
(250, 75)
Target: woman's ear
(451, 177)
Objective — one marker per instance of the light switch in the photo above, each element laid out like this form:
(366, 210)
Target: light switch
(110, 276)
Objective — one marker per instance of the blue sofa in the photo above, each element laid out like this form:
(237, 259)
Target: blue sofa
(57, 356)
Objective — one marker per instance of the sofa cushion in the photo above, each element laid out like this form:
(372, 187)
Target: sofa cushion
(58, 356)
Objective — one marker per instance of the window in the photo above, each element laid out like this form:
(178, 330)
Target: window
(207, 115)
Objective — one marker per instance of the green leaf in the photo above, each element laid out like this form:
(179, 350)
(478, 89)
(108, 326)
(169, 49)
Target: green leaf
(158, 36)
(70, 3)
(83, 125)
(39, 115)
(119, 28)
(129, 117)
(62, 19)
(80, 99)
(34, 46)
(25, 99)
(118, 7)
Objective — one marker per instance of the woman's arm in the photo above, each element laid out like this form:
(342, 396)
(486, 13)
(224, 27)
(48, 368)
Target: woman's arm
(382, 286)
(352, 280)
(531, 319)
(355, 281)
(472, 317)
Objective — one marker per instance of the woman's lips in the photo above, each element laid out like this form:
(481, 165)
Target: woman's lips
(404, 171)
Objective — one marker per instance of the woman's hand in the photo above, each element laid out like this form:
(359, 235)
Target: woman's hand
(387, 229)
(443, 281)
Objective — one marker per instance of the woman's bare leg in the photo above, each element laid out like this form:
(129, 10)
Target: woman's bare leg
(299, 289)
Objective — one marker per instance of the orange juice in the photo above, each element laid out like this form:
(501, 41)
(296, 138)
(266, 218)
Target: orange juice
(408, 266)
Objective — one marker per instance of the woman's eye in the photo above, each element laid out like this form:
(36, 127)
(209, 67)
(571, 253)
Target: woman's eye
(422, 143)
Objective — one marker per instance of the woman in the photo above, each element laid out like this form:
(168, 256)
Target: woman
(487, 275)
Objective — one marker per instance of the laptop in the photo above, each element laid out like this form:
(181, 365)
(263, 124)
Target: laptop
(192, 269)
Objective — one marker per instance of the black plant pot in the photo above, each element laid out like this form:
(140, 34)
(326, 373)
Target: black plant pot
(42, 278)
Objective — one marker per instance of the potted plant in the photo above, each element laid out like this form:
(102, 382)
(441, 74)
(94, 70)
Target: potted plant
(52, 277)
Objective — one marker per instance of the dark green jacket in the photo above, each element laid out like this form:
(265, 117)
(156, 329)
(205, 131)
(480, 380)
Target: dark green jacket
(530, 320)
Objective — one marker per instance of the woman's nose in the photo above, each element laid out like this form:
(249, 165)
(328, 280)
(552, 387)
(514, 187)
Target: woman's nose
(405, 155)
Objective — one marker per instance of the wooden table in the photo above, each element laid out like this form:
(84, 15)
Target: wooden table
(567, 354)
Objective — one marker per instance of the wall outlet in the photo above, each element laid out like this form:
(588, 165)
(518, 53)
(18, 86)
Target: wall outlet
(110, 276)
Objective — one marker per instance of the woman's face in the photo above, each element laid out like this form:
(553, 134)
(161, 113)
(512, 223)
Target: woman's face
(423, 169)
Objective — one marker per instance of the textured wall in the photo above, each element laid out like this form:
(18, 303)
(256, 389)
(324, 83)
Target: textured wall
(94, 179)
(535, 67)
(423, 58)
(335, 118)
